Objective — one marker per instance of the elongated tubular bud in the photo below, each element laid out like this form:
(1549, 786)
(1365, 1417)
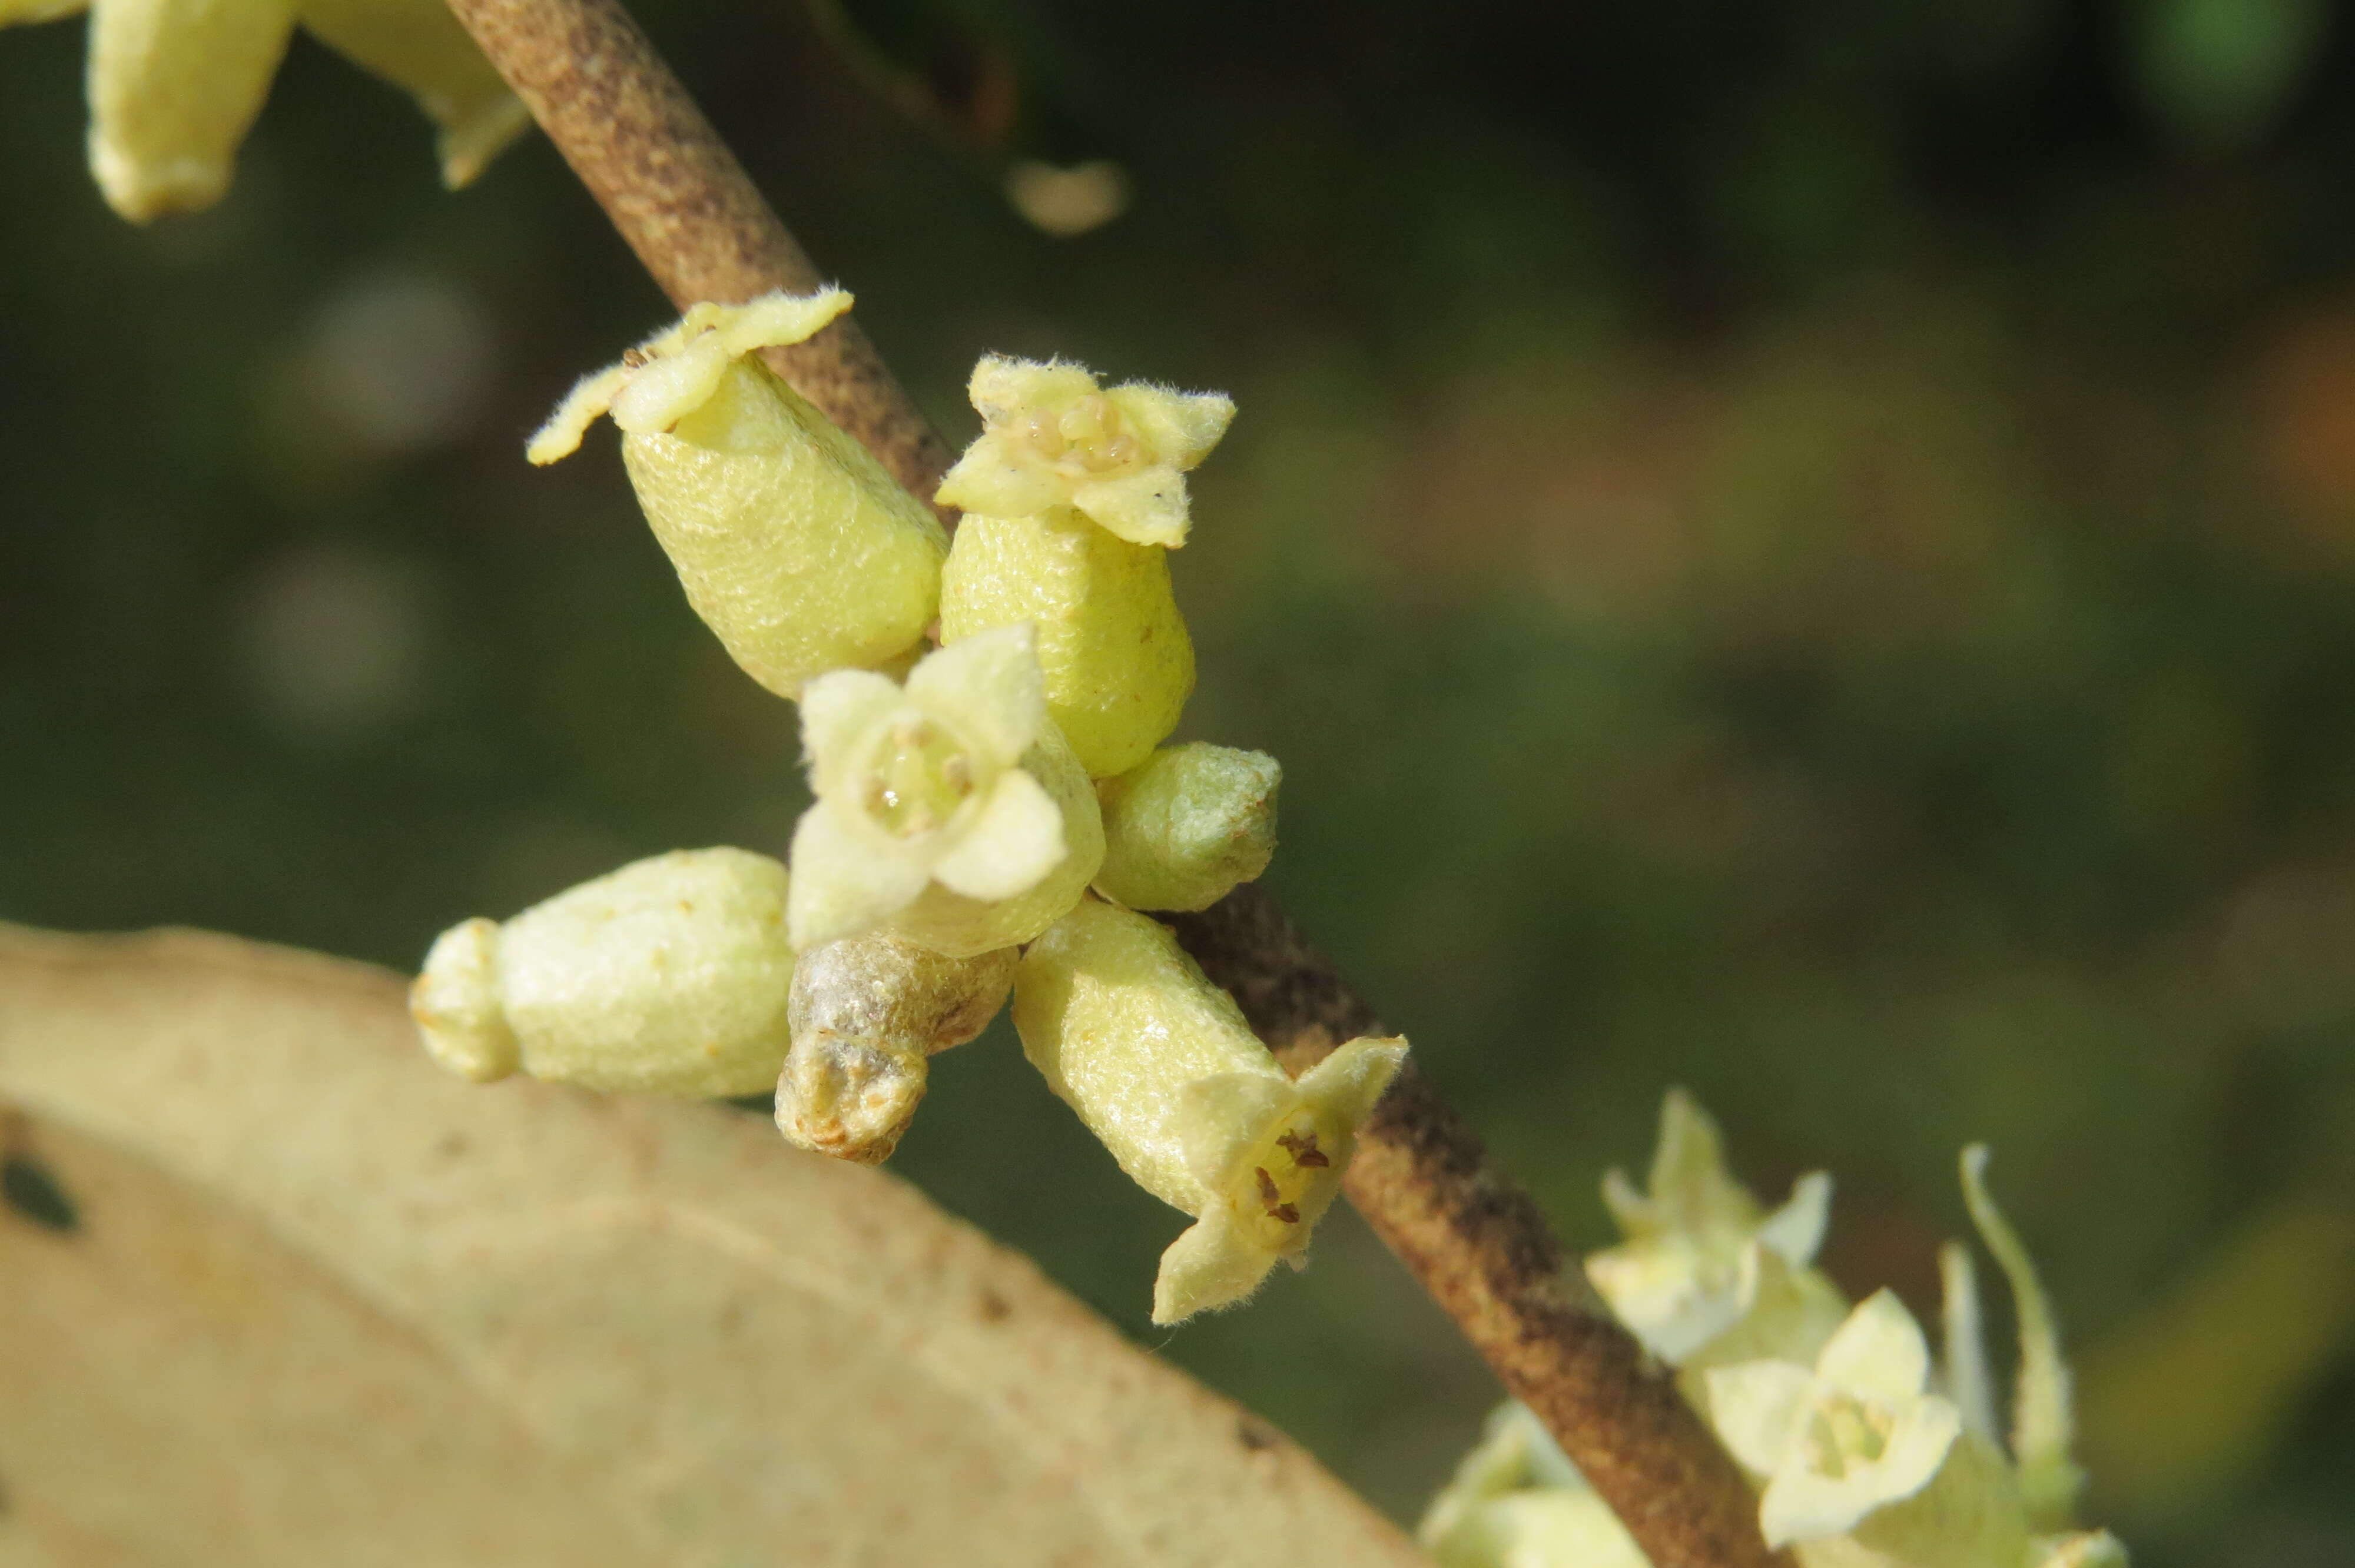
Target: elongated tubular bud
(867, 1013)
(1184, 828)
(669, 976)
(1114, 650)
(1160, 1065)
(173, 86)
(793, 544)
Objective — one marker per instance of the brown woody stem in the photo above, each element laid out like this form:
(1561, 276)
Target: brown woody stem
(1421, 1176)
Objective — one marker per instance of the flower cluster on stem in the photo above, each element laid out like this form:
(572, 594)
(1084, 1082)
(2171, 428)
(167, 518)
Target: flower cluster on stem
(983, 722)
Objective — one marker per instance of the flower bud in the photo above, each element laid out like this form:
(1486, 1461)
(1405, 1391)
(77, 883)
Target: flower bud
(867, 1012)
(793, 544)
(1118, 663)
(1160, 1065)
(1188, 825)
(175, 84)
(670, 976)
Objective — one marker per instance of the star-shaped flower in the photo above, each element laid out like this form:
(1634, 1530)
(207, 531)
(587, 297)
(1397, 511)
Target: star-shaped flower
(174, 85)
(1858, 1432)
(1052, 437)
(949, 808)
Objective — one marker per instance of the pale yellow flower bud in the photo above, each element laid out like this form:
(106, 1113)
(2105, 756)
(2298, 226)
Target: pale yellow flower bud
(867, 1012)
(793, 544)
(949, 811)
(1160, 1065)
(1051, 438)
(1184, 828)
(1118, 662)
(670, 976)
(175, 84)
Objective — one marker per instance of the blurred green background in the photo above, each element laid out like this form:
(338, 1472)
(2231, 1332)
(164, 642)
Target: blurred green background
(1802, 550)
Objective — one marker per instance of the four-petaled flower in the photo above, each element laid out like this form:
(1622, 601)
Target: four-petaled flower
(935, 782)
(1859, 1431)
(1052, 438)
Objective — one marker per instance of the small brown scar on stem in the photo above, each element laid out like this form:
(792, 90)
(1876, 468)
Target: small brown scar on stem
(1302, 1147)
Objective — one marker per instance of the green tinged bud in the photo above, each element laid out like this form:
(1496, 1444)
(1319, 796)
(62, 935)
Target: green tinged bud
(670, 976)
(1186, 826)
(1118, 663)
(793, 545)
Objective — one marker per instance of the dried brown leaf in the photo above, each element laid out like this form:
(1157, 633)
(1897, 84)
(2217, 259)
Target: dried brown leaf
(274, 1289)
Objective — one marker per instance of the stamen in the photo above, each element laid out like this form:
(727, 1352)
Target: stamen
(1302, 1147)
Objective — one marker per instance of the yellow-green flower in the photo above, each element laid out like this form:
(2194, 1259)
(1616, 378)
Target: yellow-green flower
(1850, 1436)
(1052, 437)
(948, 811)
(795, 546)
(174, 85)
(1160, 1065)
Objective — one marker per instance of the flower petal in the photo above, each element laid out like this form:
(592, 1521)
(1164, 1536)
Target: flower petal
(1878, 1352)
(1211, 1264)
(1181, 426)
(662, 391)
(1800, 1504)
(1758, 1408)
(1916, 1446)
(561, 437)
(996, 478)
(1147, 507)
(1797, 1229)
(1017, 838)
(1344, 1085)
(1223, 1116)
(842, 883)
(986, 687)
(836, 709)
(1004, 389)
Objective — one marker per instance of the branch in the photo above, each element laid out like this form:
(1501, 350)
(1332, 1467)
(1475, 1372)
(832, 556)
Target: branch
(1474, 1240)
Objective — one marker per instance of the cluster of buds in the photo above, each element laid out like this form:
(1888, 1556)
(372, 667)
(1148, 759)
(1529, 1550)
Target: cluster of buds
(1867, 1451)
(175, 84)
(984, 722)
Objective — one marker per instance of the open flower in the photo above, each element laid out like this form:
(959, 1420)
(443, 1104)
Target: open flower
(1052, 437)
(1858, 1432)
(1160, 1065)
(949, 809)
(793, 544)
(1685, 1274)
(174, 84)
